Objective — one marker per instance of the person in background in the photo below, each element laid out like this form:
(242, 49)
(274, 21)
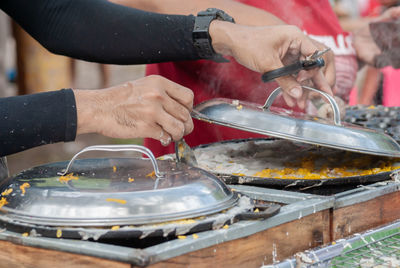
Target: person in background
(381, 85)
(149, 107)
(354, 15)
(209, 80)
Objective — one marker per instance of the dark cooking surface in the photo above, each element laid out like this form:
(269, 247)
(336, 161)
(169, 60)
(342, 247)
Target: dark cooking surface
(381, 118)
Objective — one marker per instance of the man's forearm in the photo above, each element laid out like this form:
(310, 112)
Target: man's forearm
(104, 32)
(243, 14)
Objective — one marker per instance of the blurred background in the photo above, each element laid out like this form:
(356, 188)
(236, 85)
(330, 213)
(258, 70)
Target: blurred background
(374, 86)
(26, 67)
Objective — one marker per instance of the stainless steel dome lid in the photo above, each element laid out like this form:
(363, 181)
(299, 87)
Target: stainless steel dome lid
(112, 191)
(282, 123)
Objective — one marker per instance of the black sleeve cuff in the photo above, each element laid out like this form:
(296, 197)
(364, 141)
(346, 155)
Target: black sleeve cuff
(33, 120)
(70, 115)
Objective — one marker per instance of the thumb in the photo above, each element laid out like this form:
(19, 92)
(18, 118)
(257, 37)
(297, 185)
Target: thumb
(291, 89)
(288, 83)
(290, 86)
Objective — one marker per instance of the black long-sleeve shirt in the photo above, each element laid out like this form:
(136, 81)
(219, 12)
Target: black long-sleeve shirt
(37, 119)
(91, 30)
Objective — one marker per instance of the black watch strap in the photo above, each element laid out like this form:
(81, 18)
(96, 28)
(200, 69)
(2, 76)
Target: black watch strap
(201, 36)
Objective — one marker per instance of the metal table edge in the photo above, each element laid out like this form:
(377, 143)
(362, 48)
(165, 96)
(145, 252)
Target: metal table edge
(238, 230)
(365, 193)
(309, 204)
(272, 195)
(89, 248)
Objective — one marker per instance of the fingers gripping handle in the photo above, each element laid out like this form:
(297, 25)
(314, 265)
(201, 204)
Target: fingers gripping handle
(292, 69)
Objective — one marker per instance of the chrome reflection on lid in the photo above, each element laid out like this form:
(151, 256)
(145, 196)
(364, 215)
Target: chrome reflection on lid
(112, 191)
(281, 123)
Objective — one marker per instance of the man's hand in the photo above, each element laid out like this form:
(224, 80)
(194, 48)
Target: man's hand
(152, 107)
(267, 48)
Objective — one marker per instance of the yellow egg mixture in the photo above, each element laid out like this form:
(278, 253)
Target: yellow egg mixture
(307, 169)
(282, 159)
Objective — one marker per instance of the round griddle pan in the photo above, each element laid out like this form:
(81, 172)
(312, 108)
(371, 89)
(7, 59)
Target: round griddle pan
(119, 198)
(261, 181)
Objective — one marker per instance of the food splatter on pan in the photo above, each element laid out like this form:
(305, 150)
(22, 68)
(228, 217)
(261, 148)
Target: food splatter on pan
(67, 178)
(282, 159)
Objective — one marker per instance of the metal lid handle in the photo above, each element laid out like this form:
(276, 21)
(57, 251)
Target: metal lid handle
(117, 148)
(335, 108)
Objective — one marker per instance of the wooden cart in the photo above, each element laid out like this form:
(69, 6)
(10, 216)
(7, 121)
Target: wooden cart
(305, 221)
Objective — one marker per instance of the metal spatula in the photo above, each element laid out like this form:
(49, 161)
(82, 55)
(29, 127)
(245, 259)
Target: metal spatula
(184, 153)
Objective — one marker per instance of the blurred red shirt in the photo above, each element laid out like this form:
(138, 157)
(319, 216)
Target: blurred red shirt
(230, 80)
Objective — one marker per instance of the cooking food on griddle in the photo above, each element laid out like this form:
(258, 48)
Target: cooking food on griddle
(281, 159)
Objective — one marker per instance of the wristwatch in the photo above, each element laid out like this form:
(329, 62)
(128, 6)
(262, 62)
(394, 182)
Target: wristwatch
(201, 36)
